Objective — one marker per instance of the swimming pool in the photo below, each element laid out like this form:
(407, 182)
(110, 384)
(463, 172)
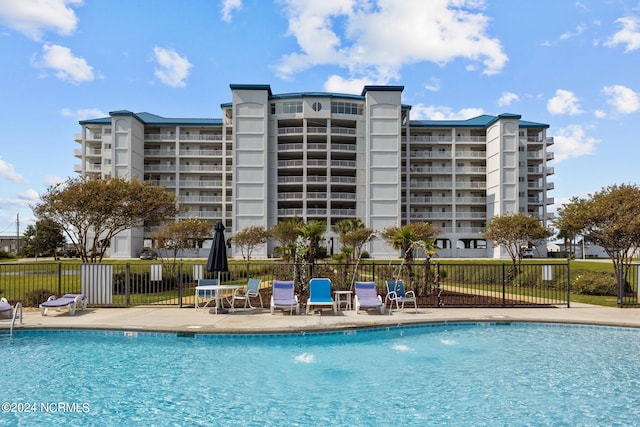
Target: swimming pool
(455, 374)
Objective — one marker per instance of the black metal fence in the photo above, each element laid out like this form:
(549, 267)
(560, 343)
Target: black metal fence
(435, 284)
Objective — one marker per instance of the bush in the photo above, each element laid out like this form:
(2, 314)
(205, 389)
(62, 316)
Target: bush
(36, 297)
(5, 255)
(594, 283)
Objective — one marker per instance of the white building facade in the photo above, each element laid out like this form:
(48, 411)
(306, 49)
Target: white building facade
(329, 157)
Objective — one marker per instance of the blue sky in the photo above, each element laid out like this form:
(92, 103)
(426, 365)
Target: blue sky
(574, 65)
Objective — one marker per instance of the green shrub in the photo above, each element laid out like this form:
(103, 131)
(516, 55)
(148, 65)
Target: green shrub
(594, 283)
(36, 297)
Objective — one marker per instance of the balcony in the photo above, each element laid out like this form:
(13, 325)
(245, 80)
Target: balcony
(160, 153)
(472, 139)
(198, 137)
(290, 147)
(431, 200)
(200, 199)
(414, 154)
(169, 183)
(200, 153)
(428, 139)
(192, 183)
(343, 212)
(291, 163)
(471, 215)
(337, 130)
(289, 212)
(473, 185)
(430, 170)
(202, 215)
(317, 147)
(430, 215)
(343, 179)
(472, 154)
(291, 196)
(472, 170)
(343, 196)
(160, 168)
(431, 184)
(350, 164)
(204, 168)
(343, 147)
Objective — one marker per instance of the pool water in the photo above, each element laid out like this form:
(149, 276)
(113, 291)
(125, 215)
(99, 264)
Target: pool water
(462, 374)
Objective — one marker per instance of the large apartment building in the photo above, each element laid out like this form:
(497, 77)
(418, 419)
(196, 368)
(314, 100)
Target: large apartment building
(329, 156)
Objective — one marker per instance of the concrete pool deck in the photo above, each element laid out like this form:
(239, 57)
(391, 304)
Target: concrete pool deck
(170, 319)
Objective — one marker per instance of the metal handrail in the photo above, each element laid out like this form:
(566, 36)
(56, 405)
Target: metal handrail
(17, 308)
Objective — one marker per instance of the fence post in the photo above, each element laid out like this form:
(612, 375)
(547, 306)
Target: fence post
(568, 283)
(126, 285)
(180, 284)
(59, 278)
(504, 286)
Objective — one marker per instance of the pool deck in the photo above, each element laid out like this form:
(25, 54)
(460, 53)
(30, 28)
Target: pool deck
(173, 319)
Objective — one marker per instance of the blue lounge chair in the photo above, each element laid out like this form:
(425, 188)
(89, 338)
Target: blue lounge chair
(396, 294)
(69, 301)
(283, 296)
(207, 295)
(320, 294)
(251, 291)
(367, 296)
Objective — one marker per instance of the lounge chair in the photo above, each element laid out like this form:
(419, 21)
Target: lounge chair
(283, 296)
(251, 291)
(69, 301)
(6, 310)
(367, 296)
(396, 294)
(320, 294)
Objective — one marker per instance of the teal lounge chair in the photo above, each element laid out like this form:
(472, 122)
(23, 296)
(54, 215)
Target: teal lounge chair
(320, 294)
(396, 294)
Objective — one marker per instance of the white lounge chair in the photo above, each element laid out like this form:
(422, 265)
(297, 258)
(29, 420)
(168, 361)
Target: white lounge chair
(367, 296)
(69, 301)
(6, 310)
(283, 296)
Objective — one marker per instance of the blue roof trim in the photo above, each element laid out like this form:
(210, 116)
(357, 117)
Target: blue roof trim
(153, 119)
(382, 89)
(484, 121)
(315, 95)
(251, 87)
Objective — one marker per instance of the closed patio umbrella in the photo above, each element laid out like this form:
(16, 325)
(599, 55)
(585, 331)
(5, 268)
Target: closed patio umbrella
(217, 261)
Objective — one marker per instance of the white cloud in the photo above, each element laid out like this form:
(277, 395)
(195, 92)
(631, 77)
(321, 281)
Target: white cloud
(579, 30)
(600, 114)
(338, 84)
(83, 113)
(507, 98)
(378, 40)
(29, 195)
(629, 35)
(623, 99)
(67, 67)
(571, 141)
(7, 171)
(33, 17)
(53, 180)
(433, 85)
(172, 69)
(565, 102)
(432, 112)
(229, 6)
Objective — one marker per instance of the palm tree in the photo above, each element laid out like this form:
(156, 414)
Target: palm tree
(313, 231)
(408, 238)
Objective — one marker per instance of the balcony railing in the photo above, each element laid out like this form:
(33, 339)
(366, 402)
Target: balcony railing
(200, 199)
(430, 154)
(431, 184)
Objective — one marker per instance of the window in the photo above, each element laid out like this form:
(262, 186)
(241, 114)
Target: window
(107, 146)
(346, 108)
(316, 106)
(286, 107)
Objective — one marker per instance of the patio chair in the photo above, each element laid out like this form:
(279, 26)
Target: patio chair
(69, 301)
(251, 291)
(283, 296)
(207, 295)
(320, 294)
(6, 310)
(367, 296)
(396, 294)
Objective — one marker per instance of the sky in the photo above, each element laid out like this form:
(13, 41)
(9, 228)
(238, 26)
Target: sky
(574, 65)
